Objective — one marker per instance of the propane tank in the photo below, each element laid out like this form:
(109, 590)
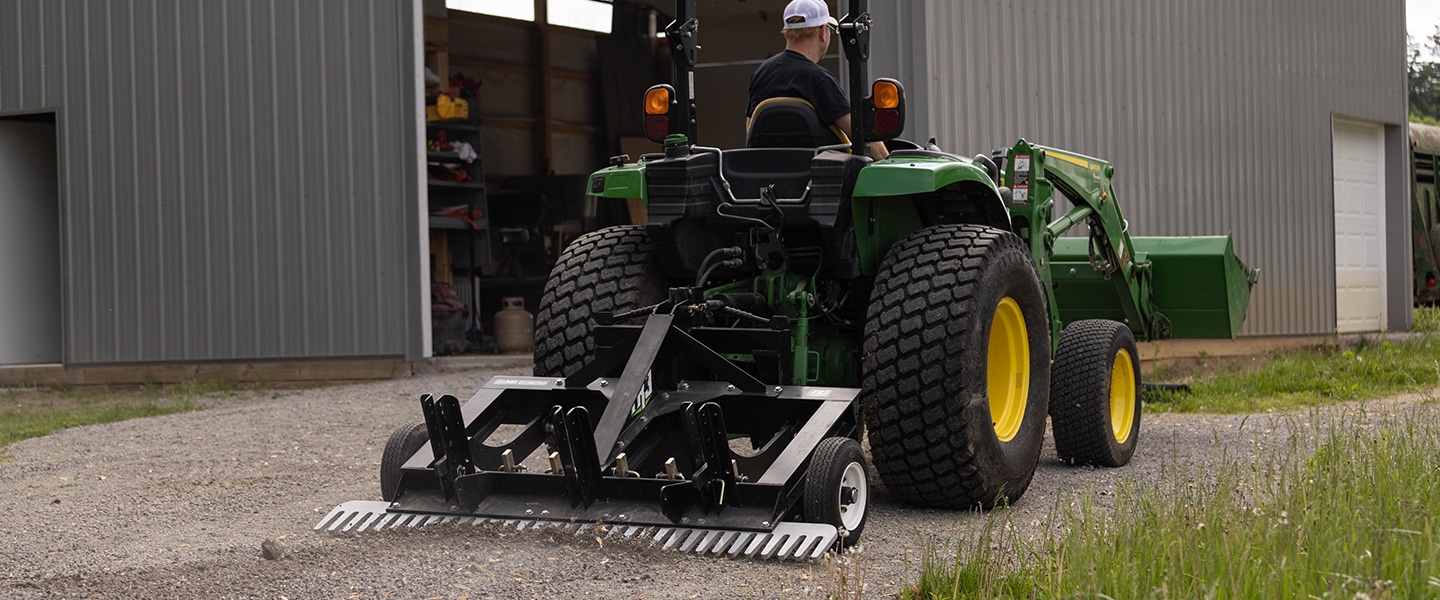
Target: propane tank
(514, 326)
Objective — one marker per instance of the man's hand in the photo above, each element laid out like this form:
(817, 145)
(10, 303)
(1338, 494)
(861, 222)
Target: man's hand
(877, 149)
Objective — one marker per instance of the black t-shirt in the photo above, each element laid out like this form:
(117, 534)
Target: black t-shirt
(789, 73)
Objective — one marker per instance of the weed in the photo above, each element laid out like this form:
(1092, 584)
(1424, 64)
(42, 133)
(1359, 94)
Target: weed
(996, 564)
(1342, 511)
(35, 411)
(1290, 379)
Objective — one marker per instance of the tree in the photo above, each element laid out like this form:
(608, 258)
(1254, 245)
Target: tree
(1424, 82)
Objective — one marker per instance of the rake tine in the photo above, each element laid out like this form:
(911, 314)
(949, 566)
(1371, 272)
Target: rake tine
(370, 519)
(356, 519)
(756, 545)
(385, 519)
(741, 542)
(341, 520)
(723, 542)
(820, 547)
(776, 540)
(807, 544)
(326, 518)
(677, 538)
(703, 538)
(789, 547)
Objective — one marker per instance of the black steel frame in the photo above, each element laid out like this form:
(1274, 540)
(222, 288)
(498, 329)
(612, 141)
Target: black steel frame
(686, 423)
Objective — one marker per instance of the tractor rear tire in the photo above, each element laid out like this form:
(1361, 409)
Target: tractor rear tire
(1095, 394)
(404, 442)
(606, 271)
(837, 488)
(956, 367)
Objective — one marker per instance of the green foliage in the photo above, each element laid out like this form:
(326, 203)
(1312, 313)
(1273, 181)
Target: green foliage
(1297, 378)
(21, 423)
(993, 566)
(1353, 519)
(1424, 82)
(27, 412)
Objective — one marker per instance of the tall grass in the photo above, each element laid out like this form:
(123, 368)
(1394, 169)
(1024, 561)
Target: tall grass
(1291, 379)
(1357, 517)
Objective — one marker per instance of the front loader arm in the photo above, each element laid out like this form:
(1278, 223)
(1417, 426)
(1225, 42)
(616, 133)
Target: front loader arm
(1035, 173)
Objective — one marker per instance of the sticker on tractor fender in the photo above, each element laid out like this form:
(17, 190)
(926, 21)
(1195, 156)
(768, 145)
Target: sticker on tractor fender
(819, 393)
(642, 399)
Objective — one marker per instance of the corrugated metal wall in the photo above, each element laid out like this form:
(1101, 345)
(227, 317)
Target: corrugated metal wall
(239, 179)
(1215, 113)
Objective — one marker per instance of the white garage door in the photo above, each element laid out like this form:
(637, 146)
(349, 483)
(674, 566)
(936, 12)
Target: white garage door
(1359, 151)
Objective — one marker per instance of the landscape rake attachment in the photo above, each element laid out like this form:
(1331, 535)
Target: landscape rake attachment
(689, 451)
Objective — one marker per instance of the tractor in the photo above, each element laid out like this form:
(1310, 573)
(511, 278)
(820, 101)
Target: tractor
(708, 380)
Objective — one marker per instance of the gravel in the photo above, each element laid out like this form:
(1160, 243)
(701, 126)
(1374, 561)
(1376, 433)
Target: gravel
(221, 503)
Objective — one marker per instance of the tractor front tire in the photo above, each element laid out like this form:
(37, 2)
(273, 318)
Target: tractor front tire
(404, 442)
(1095, 394)
(956, 367)
(607, 271)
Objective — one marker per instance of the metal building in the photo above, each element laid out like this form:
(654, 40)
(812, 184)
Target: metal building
(237, 181)
(191, 182)
(1282, 122)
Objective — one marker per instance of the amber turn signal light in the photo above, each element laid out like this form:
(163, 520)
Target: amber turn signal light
(657, 100)
(886, 94)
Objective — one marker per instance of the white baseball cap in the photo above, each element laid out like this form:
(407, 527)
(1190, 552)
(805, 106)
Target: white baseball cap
(810, 13)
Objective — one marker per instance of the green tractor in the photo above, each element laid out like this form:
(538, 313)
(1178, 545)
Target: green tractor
(1425, 213)
(785, 302)
(939, 285)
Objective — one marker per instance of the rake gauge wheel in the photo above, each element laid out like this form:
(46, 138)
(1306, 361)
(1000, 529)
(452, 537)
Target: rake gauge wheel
(404, 442)
(837, 488)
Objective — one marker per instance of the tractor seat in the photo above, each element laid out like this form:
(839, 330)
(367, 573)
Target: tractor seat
(789, 123)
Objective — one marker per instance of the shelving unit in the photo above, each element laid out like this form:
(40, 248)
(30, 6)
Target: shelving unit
(460, 246)
(471, 194)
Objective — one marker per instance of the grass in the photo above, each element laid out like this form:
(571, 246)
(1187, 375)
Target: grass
(27, 412)
(1354, 519)
(1350, 516)
(1298, 378)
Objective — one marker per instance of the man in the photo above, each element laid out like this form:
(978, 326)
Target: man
(796, 72)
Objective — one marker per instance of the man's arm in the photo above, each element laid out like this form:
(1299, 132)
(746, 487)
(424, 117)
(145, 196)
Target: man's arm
(877, 149)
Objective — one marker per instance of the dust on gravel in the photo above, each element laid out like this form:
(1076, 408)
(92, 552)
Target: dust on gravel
(179, 506)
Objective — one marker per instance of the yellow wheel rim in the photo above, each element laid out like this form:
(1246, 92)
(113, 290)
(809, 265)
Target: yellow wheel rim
(1007, 369)
(1122, 395)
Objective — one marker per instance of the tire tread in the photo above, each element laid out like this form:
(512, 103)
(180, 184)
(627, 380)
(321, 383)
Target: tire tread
(914, 342)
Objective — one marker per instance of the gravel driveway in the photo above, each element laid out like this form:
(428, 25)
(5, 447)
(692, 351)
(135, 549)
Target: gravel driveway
(178, 507)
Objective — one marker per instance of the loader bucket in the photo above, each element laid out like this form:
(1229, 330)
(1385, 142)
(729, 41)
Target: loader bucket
(1197, 283)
